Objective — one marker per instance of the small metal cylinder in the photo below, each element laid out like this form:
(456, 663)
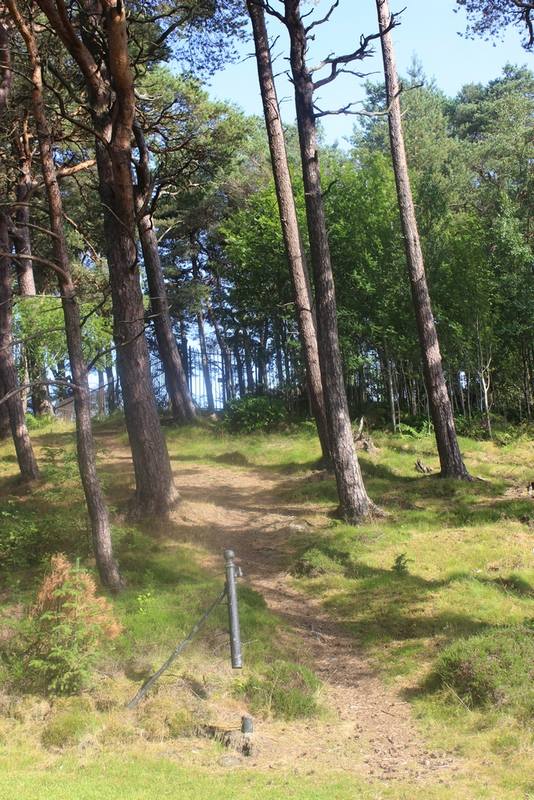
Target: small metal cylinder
(247, 725)
(233, 610)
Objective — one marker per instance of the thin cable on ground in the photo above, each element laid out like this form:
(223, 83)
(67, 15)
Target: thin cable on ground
(134, 702)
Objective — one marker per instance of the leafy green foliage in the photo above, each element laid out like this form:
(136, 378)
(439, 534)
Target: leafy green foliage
(23, 542)
(254, 413)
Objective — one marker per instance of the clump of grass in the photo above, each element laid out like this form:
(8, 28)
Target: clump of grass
(315, 562)
(285, 690)
(73, 719)
(492, 668)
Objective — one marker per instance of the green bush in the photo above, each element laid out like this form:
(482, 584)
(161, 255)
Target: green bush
(24, 538)
(284, 690)
(495, 668)
(254, 413)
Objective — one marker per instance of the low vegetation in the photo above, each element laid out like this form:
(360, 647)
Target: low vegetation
(439, 594)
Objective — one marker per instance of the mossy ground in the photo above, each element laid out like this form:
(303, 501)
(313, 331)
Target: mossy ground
(468, 548)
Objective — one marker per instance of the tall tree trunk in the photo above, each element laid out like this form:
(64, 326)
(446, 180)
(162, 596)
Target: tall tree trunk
(452, 465)
(391, 391)
(355, 504)
(113, 113)
(8, 371)
(182, 406)
(226, 356)
(262, 358)
(278, 356)
(26, 186)
(5, 425)
(289, 222)
(101, 394)
(201, 330)
(205, 360)
(239, 368)
(101, 531)
(111, 394)
(249, 364)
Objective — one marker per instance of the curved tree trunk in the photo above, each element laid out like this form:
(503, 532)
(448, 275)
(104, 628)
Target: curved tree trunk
(101, 531)
(355, 504)
(288, 219)
(452, 465)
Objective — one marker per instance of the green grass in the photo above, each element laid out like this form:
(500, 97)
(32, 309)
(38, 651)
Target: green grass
(142, 777)
(469, 579)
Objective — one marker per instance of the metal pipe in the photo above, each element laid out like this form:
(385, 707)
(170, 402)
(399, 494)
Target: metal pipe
(232, 573)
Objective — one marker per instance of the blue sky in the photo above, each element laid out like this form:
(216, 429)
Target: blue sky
(429, 30)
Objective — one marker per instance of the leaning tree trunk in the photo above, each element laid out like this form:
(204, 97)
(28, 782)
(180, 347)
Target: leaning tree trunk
(182, 406)
(355, 504)
(452, 465)
(98, 513)
(12, 396)
(289, 223)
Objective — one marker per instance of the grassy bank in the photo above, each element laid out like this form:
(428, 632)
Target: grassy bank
(433, 592)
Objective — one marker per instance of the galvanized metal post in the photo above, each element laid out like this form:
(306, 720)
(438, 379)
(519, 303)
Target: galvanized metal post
(233, 610)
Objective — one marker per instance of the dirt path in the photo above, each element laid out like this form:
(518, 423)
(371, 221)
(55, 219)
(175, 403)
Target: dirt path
(372, 731)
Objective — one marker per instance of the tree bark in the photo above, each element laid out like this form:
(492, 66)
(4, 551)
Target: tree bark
(111, 394)
(226, 357)
(355, 504)
(25, 188)
(239, 367)
(182, 406)
(98, 514)
(8, 372)
(249, 364)
(452, 465)
(111, 97)
(289, 222)
(5, 425)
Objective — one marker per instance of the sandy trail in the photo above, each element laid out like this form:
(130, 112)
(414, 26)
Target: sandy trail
(372, 730)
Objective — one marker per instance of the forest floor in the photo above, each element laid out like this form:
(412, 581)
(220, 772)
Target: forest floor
(367, 610)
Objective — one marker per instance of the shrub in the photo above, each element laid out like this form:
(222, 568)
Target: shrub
(254, 413)
(284, 690)
(63, 631)
(496, 667)
(22, 542)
